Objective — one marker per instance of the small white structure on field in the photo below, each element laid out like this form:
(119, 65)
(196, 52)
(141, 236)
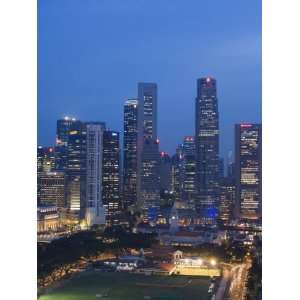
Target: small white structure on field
(177, 255)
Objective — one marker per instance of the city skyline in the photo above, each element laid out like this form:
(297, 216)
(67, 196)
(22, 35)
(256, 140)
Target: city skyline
(228, 146)
(200, 175)
(85, 81)
(156, 168)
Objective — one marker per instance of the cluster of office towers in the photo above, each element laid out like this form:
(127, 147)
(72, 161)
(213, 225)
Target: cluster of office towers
(83, 174)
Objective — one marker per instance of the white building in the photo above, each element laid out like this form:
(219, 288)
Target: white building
(95, 213)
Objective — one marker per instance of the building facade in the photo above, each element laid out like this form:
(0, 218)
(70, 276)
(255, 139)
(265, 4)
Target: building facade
(177, 173)
(94, 214)
(189, 169)
(111, 177)
(165, 172)
(47, 218)
(147, 122)
(150, 186)
(76, 172)
(61, 144)
(207, 149)
(51, 189)
(148, 148)
(248, 171)
(227, 200)
(130, 152)
(45, 159)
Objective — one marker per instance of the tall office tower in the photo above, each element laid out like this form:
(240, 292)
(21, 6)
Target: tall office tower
(189, 169)
(111, 177)
(230, 166)
(207, 149)
(76, 171)
(177, 173)
(148, 147)
(45, 159)
(51, 189)
(147, 122)
(130, 152)
(227, 200)
(165, 172)
(150, 189)
(62, 133)
(45, 163)
(248, 171)
(221, 168)
(40, 158)
(95, 213)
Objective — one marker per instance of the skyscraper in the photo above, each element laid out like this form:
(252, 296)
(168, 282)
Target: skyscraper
(148, 147)
(227, 200)
(221, 168)
(248, 171)
(165, 172)
(230, 166)
(76, 171)
(45, 164)
(207, 148)
(95, 214)
(177, 173)
(189, 169)
(150, 189)
(111, 177)
(45, 159)
(62, 134)
(147, 122)
(130, 152)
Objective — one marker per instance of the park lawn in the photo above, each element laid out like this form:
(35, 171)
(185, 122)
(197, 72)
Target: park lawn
(124, 286)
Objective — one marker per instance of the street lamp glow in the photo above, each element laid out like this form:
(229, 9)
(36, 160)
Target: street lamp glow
(213, 262)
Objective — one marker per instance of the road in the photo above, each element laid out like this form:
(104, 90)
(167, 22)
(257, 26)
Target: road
(237, 289)
(233, 282)
(223, 285)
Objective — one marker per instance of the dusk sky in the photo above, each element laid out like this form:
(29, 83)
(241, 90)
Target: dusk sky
(92, 53)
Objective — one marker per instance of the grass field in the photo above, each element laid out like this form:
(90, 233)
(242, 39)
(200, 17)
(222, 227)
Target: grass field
(124, 286)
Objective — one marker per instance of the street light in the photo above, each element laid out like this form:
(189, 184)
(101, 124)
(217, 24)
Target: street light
(213, 262)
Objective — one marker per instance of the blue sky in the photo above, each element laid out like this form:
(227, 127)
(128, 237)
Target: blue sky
(92, 53)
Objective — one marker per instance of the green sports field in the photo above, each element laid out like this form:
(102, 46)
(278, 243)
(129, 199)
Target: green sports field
(124, 286)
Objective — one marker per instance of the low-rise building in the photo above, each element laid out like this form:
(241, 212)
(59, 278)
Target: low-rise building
(47, 218)
(195, 266)
(130, 262)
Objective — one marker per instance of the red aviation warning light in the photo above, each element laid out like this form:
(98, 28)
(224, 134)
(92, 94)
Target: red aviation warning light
(245, 125)
(189, 138)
